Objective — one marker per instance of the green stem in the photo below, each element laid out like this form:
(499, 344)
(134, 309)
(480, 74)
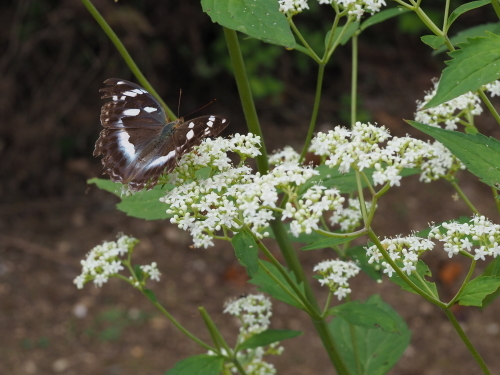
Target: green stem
(303, 41)
(467, 342)
(490, 107)
(177, 324)
(126, 56)
(400, 273)
(354, 79)
(218, 339)
(466, 281)
(495, 195)
(428, 22)
(314, 115)
(464, 197)
(246, 97)
(293, 263)
(361, 198)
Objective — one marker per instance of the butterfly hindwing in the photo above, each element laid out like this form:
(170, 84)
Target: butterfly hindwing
(138, 143)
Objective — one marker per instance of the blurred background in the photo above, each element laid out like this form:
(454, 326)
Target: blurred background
(54, 58)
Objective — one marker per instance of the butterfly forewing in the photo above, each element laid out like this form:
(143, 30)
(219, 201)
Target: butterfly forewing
(138, 143)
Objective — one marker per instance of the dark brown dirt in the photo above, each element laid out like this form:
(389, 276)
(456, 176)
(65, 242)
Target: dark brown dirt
(55, 61)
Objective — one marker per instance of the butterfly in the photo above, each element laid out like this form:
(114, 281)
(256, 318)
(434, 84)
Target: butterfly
(138, 142)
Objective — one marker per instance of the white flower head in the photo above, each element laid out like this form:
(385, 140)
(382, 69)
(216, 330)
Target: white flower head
(104, 261)
(291, 7)
(451, 113)
(336, 275)
(357, 7)
(107, 260)
(479, 236)
(253, 312)
(403, 250)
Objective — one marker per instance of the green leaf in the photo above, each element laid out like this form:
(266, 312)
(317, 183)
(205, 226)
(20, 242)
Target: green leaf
(465, 8)
(365, 315)
(433, 41)
(108, 185)
(258, 19)
(493, 269)
(358, 253)
(476, 290)
(267, 284)
(480, 154)
(479, 30)
(375, 351)
(202, 364)
(475, 64)
(268, 337)
(150, 294)
(329, 242)
(145, 204)
(382, 16)
(423, 271)
(246, 251)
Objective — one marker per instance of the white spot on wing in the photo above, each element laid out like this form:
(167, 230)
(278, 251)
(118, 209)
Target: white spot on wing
(211, 118)
(131, 112)
(125, 146)
(190, 134)
(191, 125)
(162, 160)
(224, 121)
(123, 97)
(130, 93)
(150, 109)
(137, 91)
(120, 83)
(209, 124)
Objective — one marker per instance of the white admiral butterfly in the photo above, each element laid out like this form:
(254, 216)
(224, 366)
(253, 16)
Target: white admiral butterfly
(138, 142)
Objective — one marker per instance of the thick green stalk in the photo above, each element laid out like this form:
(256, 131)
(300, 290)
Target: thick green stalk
(246, 97)
(126, 56)
(276, 225)
(467, 342)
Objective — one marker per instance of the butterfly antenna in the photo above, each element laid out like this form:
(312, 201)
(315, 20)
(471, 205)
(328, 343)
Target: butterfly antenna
(199, 109)
(179, 104)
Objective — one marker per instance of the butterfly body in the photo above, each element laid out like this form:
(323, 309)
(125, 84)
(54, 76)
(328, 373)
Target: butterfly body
(138, 142)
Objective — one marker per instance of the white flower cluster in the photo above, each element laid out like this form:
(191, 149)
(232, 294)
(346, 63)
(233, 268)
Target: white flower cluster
(288, 154)
(448, 114)
(254, 313)
(308, 211)
(359, 149)
(357, 7)
(235, 197)
(336, 275)
(493, 88)
(291, 7)
(103, 262)
(404, 250)
(480, 235)
(350, 217)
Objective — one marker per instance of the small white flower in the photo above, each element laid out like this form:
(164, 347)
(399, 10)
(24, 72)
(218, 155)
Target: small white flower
(451, 113)
(336, 274)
